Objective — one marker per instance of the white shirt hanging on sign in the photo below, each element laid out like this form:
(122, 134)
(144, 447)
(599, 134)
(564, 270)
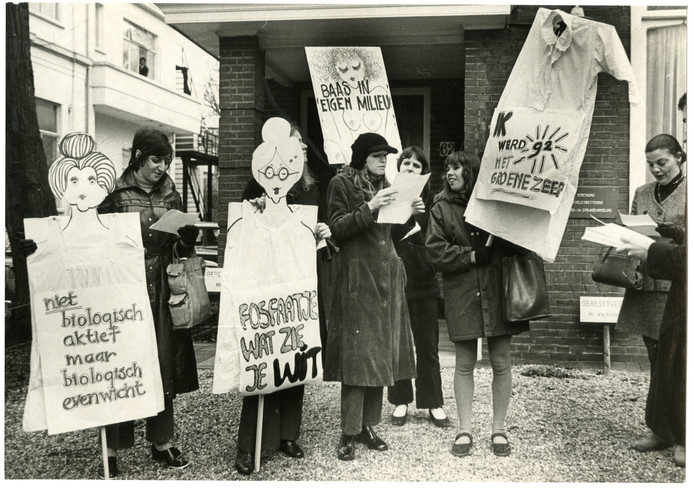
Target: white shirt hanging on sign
(94, 358)
(553, 84)
(268, 337)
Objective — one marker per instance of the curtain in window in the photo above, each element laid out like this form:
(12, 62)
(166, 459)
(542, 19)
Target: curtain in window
(666, 80)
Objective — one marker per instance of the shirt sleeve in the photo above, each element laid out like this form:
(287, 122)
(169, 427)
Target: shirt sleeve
(615, 61)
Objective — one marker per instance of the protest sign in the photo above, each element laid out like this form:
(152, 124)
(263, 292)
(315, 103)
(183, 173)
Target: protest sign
(98, 359)
(553, 84)
(268, 337)
(94, 354)
(352, 97)
(529, 157)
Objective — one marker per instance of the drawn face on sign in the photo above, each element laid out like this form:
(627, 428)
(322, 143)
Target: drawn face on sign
(351, 69)
(81, 176)
(83, 190)
(279, 161)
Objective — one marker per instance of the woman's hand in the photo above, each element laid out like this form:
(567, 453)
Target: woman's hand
(635, 246)
(27, 247)
(258, 203)
(189, 234)
(418, 206)
(322, 231)
(384, 197)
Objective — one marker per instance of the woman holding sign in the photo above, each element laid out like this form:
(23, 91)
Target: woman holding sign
(664, 200)
(146, 188)
(369, 341)
(472, 290)
(422, 292)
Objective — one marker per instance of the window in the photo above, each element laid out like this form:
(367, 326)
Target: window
(99, 26)
(49, 9)
(139, 46)
(47, 113)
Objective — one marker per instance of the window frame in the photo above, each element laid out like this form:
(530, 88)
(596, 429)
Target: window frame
(151, 51)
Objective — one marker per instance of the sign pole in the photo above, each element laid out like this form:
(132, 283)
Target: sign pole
(259, 432)
(104, 453)
(606, 349)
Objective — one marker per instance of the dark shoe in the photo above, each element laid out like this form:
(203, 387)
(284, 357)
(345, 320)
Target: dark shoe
(399, 420)
(441, 423)
(462, 450)
(501, 449)
(244, 462)
(291, 449)
(112, 469)
(171, 456)
(650, 443)
(371, 439)
(345, 450)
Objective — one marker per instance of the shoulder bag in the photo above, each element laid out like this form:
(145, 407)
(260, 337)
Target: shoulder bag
(618, 269)
(525, 288)
(189, 302)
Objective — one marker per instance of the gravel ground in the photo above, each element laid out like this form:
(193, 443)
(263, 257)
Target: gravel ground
(565, 425)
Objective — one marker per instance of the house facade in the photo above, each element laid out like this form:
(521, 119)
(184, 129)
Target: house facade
(447, 67)
(110, 68)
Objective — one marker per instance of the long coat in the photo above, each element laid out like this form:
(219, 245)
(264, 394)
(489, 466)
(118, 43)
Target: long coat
(473, 294)
(176, 353)
(369, 340)
(642, 310)
(666, 415)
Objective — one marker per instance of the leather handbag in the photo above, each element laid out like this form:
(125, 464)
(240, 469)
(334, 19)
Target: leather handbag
(618, 269)
(189, 302)
(525, 288)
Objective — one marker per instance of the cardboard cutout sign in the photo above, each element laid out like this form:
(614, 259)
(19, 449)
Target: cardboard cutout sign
(552, 86)
(352, 97)
(529, 157)
(268, 337)
(94, 355)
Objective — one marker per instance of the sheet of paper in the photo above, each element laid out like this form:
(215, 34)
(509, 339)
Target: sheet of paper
(412, 231)
(611, 234)
(643, 224)
(409, 187)
(173, 220)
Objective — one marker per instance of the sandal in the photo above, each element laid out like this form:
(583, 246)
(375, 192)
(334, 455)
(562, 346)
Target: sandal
(462, 450)
(501, 449)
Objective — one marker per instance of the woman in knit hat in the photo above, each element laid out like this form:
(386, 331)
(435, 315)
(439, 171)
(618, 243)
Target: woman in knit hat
(369, 341)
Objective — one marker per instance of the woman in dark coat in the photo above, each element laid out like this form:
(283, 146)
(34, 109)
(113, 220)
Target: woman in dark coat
(282, 410)
(369, 342)
(666, 414)
(472, 290)
(422, 292)
(664, 200)
(144, 187)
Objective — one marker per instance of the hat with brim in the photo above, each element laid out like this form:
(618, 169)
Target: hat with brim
(366, 144)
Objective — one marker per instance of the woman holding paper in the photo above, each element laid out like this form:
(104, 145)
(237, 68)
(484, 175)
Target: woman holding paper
(422, 292)
(664, 200)
(146, 188)
(369, 341)
(472, 290)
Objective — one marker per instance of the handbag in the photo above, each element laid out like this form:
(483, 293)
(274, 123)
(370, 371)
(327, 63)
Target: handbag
(617, 269)
(525, 288)
(189, 302)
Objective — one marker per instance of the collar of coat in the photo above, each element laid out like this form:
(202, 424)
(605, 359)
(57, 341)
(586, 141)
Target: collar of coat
(164, 186)
(452, 197)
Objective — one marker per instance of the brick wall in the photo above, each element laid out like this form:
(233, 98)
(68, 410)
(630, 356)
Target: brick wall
(562, 339)
(242, 101)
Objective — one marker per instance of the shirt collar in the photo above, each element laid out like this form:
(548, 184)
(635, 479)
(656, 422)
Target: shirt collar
(562, 42)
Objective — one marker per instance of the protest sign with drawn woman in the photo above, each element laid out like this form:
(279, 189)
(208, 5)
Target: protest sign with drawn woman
(91, 358)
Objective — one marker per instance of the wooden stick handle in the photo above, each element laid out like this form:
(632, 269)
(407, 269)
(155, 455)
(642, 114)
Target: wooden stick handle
(259, 431)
